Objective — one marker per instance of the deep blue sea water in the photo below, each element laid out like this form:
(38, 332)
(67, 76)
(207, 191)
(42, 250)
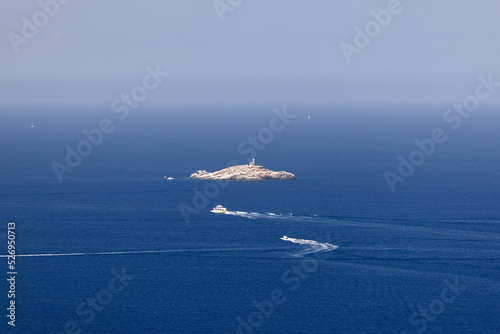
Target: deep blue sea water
(422, 259)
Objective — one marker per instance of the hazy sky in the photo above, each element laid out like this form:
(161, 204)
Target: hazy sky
(263, 50)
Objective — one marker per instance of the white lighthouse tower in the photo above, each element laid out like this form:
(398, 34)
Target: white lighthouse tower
(252, 163)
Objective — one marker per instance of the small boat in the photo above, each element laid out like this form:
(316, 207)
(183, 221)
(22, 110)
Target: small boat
(219, 209)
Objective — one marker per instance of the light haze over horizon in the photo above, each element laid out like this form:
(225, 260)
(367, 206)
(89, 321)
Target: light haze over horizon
(263, 51)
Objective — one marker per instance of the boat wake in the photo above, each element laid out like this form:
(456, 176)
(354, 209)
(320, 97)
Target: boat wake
(312, 246)
(256, 215)
(201, 250)
(449, 232)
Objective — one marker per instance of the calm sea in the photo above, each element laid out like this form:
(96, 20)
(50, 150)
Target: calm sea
(111, 252)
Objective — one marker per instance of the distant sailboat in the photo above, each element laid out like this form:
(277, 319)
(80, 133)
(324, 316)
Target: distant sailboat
(308, 116)
(32, 125)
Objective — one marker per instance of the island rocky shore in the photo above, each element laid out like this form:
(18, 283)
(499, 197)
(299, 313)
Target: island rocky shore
(250, 172)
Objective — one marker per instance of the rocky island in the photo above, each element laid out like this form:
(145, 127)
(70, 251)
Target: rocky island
(250, 172)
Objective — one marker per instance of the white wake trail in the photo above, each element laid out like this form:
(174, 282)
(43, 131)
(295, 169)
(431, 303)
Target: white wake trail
(312, 245)
(453, 233)
(256, 215)
(140, 252)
